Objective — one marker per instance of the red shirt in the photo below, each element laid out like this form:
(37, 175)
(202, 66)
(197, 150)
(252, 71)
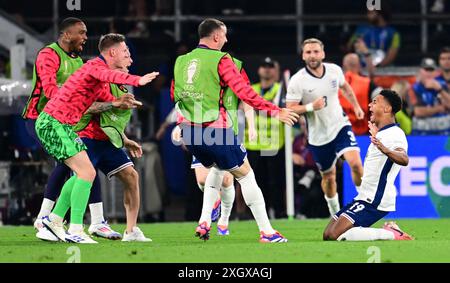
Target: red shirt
(240, 85)
(47, 65)
(93, 130)
(88, 84)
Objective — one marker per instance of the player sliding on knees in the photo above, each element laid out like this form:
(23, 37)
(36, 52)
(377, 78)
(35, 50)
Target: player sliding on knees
(54, 129)
(376, 196)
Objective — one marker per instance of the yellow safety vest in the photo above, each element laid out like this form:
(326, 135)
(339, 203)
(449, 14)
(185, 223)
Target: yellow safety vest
(270, 131)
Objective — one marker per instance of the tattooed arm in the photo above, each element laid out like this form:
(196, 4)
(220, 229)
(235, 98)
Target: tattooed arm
(99, 107)
(126, 101)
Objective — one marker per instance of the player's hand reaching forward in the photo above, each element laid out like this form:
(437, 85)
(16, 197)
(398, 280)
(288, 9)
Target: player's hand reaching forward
(288, 116)
(126, 101)
(145, 79)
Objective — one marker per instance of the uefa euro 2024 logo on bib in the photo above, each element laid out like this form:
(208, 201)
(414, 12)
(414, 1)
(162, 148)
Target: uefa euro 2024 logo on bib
(191, 71)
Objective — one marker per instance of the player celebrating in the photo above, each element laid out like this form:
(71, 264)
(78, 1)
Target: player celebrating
(376, 196)
(330, 133)
(54, 64)
(54, 129)
(199, 80)
(223, 202)
(227, 188)
(104, 137)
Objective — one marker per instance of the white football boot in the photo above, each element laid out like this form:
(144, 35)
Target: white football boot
(55, 227)
(79, 237)
(136, 235)
(103, 230)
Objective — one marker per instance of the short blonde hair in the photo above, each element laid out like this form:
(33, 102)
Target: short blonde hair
(311, 41)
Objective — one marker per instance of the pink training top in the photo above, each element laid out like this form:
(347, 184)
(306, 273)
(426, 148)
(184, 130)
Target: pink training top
(47, 65)
(88, 84)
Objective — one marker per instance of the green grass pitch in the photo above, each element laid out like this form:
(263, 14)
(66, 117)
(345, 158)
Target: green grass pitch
(175, 243)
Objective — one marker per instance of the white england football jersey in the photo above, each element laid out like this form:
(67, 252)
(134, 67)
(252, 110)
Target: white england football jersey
(377, 185)
(304, 87)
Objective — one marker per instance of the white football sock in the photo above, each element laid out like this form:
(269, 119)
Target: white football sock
(55, 218)
(201, 187)
(75, 228)
(254, 199)
(46, 208)
(211, 193)
(227, 195)
(366, 234)
(333, 204)
(96, 210)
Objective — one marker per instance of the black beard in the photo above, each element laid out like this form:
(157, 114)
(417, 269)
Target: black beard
(73, 49)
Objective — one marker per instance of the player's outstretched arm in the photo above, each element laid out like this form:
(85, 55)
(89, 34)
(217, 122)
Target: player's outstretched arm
(145, 79)
(318, 104)
(105, 74)
(126, 101)
(231, 77)
(288, 116)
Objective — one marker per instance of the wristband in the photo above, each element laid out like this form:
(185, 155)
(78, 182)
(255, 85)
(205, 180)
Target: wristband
(309, 107)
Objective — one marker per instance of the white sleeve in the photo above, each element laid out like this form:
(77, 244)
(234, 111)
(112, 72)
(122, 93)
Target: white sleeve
(397, 140)
(341, 76)
(401, 141)
(294, 91)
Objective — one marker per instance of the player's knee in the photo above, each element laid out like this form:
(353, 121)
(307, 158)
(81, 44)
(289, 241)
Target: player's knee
(88, 173)
(356, 167)
(330, 235)
(201, 180)
(131, 176)
(325, 235)
(227, 180)
(329, 177)
(333, 236)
